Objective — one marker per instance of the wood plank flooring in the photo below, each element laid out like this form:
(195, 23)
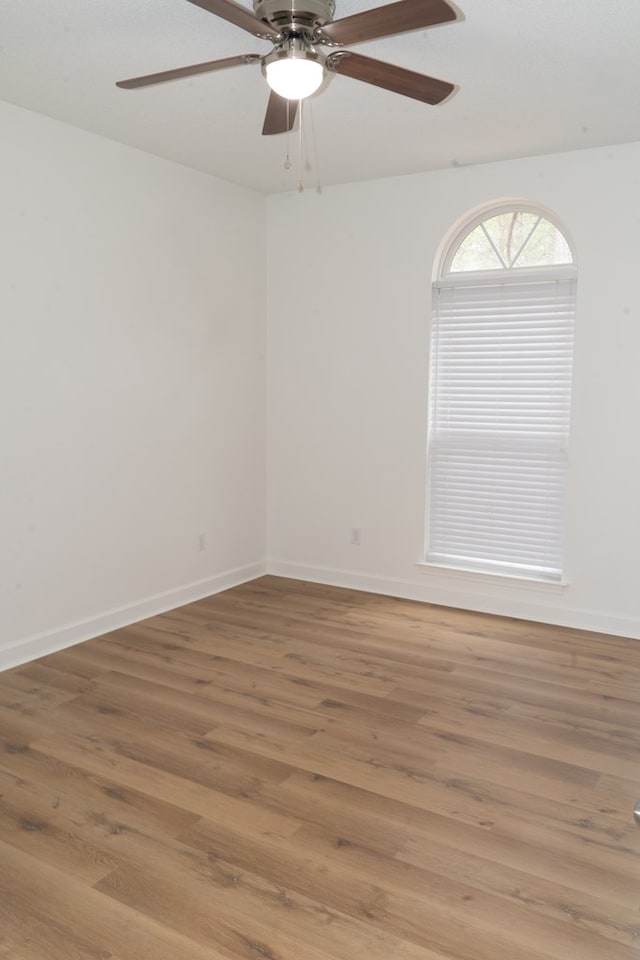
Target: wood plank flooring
(287, 771)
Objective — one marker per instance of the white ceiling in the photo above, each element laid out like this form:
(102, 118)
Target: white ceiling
(534, 76)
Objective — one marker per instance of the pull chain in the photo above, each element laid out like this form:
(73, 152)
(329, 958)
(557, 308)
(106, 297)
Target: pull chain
(300, 129)
(307, 151)
(314, 144)
(287, 159)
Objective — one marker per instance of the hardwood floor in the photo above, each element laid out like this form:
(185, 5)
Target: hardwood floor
(287, 771)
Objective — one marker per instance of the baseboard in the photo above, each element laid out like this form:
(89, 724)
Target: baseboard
(42, 644)
(465, 597)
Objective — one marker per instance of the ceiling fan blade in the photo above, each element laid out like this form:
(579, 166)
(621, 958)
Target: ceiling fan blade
(191, 71)
(280, 116)
(387, 20)
(397, 79)
(238, 15)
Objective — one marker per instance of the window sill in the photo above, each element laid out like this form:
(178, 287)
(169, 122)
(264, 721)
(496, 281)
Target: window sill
(481, 576)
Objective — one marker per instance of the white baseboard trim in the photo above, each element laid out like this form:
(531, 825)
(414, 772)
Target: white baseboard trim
(466, 596)
(463, 596)
(30, 648)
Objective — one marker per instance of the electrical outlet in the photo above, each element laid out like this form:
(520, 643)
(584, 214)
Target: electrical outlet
(356, 534)
(202, 543)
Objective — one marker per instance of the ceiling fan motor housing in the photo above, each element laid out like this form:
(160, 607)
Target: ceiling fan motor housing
(293, 48)
(313, 13)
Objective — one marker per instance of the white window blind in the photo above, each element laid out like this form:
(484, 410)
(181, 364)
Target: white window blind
(501, 365)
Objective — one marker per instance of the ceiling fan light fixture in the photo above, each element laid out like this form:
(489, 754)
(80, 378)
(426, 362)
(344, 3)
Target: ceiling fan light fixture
(294, 70)
(294, 79)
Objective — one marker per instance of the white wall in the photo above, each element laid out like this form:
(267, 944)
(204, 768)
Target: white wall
(132, 296)
(348, 309)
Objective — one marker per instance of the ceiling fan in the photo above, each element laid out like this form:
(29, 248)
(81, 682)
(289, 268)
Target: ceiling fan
(295, 67)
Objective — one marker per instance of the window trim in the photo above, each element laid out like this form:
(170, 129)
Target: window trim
(477, 575)
(563, 271)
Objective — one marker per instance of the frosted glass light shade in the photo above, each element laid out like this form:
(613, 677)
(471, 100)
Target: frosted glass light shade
(294, 78)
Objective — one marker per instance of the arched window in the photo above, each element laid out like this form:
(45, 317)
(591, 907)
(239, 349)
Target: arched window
(500, 395)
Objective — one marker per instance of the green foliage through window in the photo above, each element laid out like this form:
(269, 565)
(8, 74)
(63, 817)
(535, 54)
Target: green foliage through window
(512, 240)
